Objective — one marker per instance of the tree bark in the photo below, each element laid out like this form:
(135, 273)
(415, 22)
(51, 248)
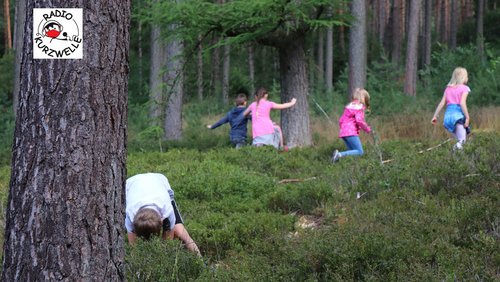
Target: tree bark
(8, 34)
(64, 216)
(226, 65)
(480, 28)
(410, 87)
(175, 90)
(427, 33)
(295, 121)
(397, 33)
(19, 40)
(157, 76)
(251, 70)
(357, 47)
(329, 57)
(453, 24)
(215, 81)
(199, 69)
(320, 63)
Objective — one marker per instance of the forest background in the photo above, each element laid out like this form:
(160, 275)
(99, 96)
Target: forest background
(263, 215)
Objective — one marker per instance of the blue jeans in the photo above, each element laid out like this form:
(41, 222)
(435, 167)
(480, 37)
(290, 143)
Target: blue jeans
(354, 147)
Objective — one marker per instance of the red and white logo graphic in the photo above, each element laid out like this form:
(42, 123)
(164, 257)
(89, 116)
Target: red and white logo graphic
(57, 33)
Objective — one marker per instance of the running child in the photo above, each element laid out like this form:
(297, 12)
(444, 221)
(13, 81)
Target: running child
(456, 117)
(238, 122)
(351, 121)
(264, 131)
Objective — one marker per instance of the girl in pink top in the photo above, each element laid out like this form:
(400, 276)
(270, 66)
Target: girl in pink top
(456, 117)
(351, 121)
(264, 131)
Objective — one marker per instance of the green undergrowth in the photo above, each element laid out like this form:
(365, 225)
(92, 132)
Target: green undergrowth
(429, 216)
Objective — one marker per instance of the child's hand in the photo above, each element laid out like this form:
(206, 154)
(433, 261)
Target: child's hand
(434, 120)
(293, 101)
(209, 126)
(466, 124)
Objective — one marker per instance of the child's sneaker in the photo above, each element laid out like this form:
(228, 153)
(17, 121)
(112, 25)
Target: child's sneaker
(336, 156)
(459, 146)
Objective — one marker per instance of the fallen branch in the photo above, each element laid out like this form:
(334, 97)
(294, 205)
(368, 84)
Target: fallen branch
(434, 147)
(387, 161)
(292, 180)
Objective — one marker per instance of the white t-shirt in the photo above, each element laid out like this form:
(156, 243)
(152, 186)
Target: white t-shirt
(150, 190)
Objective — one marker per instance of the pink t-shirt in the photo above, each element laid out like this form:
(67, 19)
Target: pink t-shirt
(454, 93)
(261, 121)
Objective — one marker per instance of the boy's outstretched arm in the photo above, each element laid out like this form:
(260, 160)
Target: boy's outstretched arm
(220, 122)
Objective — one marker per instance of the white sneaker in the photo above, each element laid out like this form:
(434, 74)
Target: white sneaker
(336, 156)
(458, 146)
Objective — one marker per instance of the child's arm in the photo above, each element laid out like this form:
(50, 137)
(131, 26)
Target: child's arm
(438, 109)
(360, 121)
(285, 105)
(131, 238)
(247, 111)
(463, 105)
(219, 123)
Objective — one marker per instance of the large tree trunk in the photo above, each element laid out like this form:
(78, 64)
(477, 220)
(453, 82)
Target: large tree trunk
(157, 76)
(320, 62)
(410, 87)
(225, 74)
(453, 25)
(20, 22)
(294, 84)
(65, 207)
(175, 90)
(357, 47)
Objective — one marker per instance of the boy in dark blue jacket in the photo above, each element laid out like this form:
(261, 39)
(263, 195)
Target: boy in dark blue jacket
(238, 122)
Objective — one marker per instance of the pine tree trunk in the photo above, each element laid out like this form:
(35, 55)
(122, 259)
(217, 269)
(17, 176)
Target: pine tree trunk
(397, 26)
(427, 33)
(199, 69)
(453, 24)
(357, 47)
(251, 70)
(329, 57)
(215, 81)
(8, 34)
(320, 62)
(19, 39)
(480, 28)
(65, 209)
(225, 74)
(295, 121)
(157, 76)
(410, 87)
(175, 90)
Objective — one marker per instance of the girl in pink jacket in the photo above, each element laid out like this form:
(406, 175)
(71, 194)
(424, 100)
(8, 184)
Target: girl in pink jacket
(350, 122)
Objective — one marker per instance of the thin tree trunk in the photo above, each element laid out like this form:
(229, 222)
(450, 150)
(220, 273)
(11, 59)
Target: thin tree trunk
(397, 26)
(357, 47)
(410, 87)
(19, 39)
(8, 34)
(64, 216)
(320, 63)
(215, 81)
(199, 72)
(329, 59)
(453, 24)
(480, 28)
(295, 121)
(225, 74)
(427, 33)
(251, 69)
(157, 76)
(175, 90)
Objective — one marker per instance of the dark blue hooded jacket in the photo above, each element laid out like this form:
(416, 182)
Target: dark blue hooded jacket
(238, 124)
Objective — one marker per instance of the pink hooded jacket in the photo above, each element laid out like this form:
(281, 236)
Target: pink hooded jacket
(352, 120)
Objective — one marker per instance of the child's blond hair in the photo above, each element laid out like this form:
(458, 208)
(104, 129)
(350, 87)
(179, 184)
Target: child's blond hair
(458, 77)
(147, 222)
(362, 96)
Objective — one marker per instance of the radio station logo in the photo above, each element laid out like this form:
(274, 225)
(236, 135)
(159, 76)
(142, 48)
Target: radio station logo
(57, 33)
